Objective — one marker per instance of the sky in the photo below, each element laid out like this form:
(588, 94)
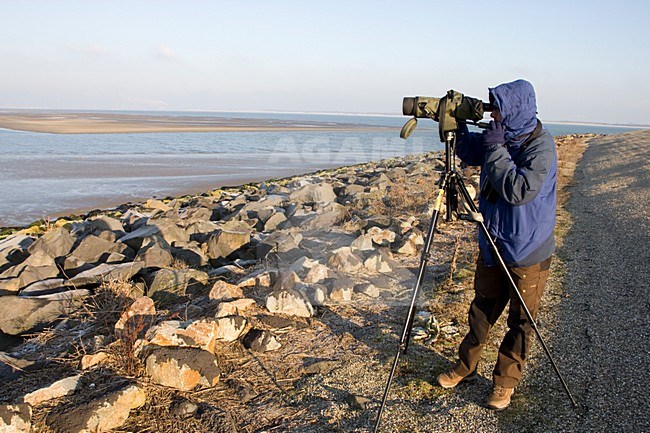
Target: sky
(588, 60)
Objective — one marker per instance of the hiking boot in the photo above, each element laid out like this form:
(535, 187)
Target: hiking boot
(450, 379)
(499, 398)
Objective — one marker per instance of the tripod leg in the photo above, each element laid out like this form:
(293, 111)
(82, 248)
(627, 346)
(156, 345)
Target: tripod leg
(460, 185)
(408, 324)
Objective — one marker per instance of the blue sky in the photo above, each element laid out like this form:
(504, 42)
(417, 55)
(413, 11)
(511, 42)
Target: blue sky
(588, 60)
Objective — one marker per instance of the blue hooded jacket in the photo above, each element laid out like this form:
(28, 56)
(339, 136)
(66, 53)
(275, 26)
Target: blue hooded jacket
(520, 212)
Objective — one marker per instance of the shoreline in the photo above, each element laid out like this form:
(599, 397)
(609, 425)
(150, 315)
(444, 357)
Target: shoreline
(119, 123)
(173, 187)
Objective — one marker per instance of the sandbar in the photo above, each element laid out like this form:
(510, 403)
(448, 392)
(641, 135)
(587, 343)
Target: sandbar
(65, 122)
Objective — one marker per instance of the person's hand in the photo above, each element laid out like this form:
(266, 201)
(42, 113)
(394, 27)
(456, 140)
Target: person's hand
(493, 135)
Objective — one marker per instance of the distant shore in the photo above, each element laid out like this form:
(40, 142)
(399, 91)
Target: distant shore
(112, 123)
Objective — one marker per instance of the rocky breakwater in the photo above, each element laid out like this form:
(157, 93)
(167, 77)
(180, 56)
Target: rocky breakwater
(150, 295)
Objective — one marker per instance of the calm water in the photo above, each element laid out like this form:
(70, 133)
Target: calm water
(50, 174)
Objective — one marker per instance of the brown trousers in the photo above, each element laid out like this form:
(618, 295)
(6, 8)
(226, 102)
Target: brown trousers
(492, 293)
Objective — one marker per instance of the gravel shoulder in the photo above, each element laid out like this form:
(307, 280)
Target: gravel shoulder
(601, 323)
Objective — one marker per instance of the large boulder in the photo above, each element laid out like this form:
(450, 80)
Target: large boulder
(189, 253)
(228, 240)
(55, 243)
(21, 315)
(168, 284)
(106, 228)
(93, 249)
(155, 254)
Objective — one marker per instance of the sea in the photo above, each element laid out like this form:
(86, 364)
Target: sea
(44, 176)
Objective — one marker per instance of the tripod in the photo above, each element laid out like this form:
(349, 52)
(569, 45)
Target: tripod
(452, 186)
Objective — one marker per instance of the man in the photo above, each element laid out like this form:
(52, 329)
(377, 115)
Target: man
(518, 184)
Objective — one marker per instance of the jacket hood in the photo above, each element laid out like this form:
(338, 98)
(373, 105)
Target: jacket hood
(517, 104)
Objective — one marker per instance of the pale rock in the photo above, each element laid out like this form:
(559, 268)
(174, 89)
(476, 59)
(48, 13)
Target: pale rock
(290, 302)
(341, 290)
(156, 204)
(200, 231)
(225, 242)
(377, 263)
(363, 243)
(182, 368)
(189, 253)
(381, 237)
(169, 231)
(279, 242)
(143, 235)
(93, 249)
(134, 219)
(55, 243)
(235, 308)
(155, 255)
(275, 221)
(201, 334)
(167, 284)
(223, 291)
(101, 414)
(184, 409)
(73, 266)
(21, 315)
(316, 293)
(410, 243)
(286, 280)
(106, 272)
(353, 190)
(302, 264)
(260, 278)
(13, 250)
(343, 259)
(89, 361)
(44, 287)
(367, 289)
(407, 225)
(33, 274)
(106, 228)
(317, 273)
(314, 193)
(15, 418)
(70, 296)
(58, 389)
(230, 328)
(330, 215)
